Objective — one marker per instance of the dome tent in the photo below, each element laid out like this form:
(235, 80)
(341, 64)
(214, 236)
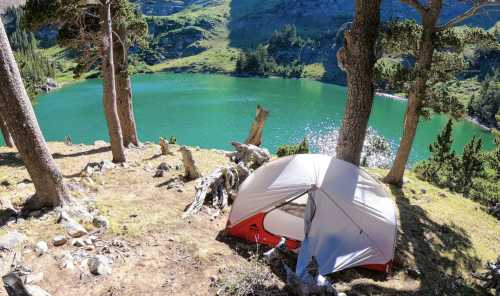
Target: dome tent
(338, 212)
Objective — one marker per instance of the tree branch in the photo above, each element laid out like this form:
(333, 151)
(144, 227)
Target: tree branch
(415, 4)
(471, 12)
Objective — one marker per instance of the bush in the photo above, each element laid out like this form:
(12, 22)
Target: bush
(291, 149)
(172, 140)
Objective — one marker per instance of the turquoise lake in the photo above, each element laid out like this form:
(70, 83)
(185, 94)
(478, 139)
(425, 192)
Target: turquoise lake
(209, 111)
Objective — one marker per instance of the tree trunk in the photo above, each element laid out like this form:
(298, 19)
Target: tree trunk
(124, 90)
(358, 58)
(255, 137)
(416, 95)
(6, 134)
(109, 87)
(18, 114)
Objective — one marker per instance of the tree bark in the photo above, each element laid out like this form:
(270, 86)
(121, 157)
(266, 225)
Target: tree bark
(109, 85)
(19, 116)
(124, 90)
(6, 134)
(255, 136)
(358, 59)
(417, 93)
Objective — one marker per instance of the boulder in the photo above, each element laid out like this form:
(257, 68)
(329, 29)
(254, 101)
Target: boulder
(41, 248)
(74, 229)
(100, 221)
(100, 265)
(59, 240)
(11, 240)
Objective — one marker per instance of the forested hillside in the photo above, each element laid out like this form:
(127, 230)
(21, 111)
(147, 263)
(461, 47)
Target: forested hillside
(296, 39)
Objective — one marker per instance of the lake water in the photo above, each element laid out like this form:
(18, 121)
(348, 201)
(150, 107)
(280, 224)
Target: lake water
(211, 110)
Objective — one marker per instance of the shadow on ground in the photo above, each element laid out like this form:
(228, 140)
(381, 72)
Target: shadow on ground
(83, 153)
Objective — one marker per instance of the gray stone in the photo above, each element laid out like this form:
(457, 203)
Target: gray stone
(59, 240)
(41, 248)
(36, 291)
(67, 261)
(100, 221)
(423, 190)
(77, 242)
(74, 229)
(11, 240)
(107, 165)
(99, 265)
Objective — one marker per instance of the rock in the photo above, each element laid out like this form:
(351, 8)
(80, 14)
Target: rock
(413, 191)
(423, 191)
(41, 248)
(74, 229)
(442, 194)
(92, 238)
(34, 278)
(99, 265)
(180, 190)
(100, 221)
(16, 287)
(59, 240)
(107, 165)
(88, 241)
(36, 291)
(77, 242)
(11, 240)
(413, 272)
(67, 261)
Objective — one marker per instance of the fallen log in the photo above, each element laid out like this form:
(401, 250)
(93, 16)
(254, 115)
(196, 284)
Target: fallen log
(255, 136)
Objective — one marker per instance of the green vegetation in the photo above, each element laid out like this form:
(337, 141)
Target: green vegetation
(485, 105)
(465, 58)
(291, 149)
(35, 68)
(475, 174)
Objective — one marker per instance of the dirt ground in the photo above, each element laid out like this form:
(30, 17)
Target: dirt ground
(156, 252)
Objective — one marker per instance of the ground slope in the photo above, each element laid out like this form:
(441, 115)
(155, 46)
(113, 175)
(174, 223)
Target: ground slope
(443, 237)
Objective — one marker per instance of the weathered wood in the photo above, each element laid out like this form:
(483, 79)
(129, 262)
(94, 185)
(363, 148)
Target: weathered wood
(191, 171)
(221, 185)
(251, 155)
(255, 136)
(164, 145)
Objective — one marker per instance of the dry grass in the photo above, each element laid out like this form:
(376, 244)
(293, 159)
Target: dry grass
(445, 237)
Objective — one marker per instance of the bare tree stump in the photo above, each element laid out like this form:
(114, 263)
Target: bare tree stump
(255, 137)
(221, 185)
(164, 145)
(191, 171)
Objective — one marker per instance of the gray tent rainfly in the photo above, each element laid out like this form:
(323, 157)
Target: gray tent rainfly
(328, 208)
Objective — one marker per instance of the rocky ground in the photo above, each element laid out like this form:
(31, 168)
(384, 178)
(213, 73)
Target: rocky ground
(142, 246)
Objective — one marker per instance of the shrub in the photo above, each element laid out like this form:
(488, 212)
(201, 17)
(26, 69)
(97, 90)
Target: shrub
(291, 149)
(172, 140)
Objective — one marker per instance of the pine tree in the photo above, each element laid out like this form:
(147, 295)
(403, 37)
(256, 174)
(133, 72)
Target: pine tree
(471, 165)
(441, 151)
